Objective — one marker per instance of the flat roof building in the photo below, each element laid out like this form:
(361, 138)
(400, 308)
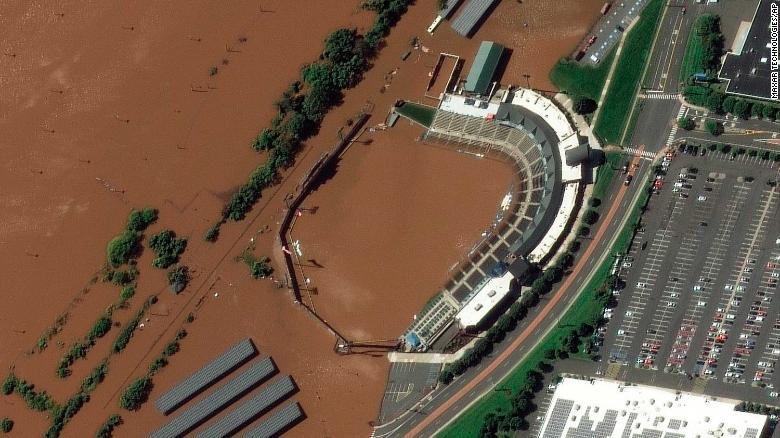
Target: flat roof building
(608, 408)
(484, 67)
(472, 14)
(749, 70)
(485, 300)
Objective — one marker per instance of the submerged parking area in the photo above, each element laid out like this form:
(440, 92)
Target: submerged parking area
(699, 284)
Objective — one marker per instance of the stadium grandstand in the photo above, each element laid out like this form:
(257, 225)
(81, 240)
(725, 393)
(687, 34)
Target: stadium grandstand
(534, 135)
(608, 408)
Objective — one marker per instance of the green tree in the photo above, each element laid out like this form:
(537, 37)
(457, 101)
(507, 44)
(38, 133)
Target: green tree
(167, 248)
(6, 425)
(590, 217)
(340, 45)
(769, 112)
(178, 277)
(139, 220)
(714, 127)
(265, 139)
(686, 123)
(136, 394)
(318, 76)
(715, 102)
(122, 248)
(757, 109)
(742, 109)
(584, 105)
(728, 104)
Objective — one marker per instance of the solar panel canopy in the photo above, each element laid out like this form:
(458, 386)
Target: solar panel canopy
(206, 376)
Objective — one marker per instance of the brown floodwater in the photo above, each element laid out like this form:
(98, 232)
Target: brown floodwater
(110, 105)
(387, 228)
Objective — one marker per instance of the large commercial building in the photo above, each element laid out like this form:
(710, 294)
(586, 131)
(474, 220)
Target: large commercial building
(752, 69)
(599, 408)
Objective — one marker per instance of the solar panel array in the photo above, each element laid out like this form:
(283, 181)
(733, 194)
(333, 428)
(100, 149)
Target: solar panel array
(251, 409)
(283, 418)
(221, 397)
(206, 376)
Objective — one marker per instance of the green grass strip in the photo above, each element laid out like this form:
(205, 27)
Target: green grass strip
(693, 61)
(422, 114)
(628, 72)
(582, 80)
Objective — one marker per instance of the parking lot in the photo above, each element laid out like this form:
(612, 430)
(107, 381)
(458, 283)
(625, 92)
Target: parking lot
(701, 276)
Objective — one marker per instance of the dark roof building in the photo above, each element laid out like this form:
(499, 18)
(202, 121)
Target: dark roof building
(472, 13)
(578, 155)
(753, 72)
(484, 67)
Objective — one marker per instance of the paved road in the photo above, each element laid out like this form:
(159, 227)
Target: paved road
(445, 404)
(654, 130)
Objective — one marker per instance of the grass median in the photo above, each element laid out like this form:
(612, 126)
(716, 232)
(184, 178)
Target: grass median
(580, 80)
(605, 174)
(628, 72)
(585, 307)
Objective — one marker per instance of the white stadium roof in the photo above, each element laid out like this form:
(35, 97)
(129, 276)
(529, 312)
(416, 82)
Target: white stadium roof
(483, 302)
(607, 408)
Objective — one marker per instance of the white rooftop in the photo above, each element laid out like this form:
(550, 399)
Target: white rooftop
(485, 300)
(568, 204)
(608, 408)
(557, 120)
(457, 103)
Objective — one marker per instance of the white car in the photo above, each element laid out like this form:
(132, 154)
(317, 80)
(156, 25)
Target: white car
(621, 332)
(729, 287)
(774, 275)
(701, 198)
(641, 284)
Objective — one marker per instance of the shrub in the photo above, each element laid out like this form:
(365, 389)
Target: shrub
(171, 349)
(127, 293)
(178, 277)
(686, 123)
(95, 377)
(136, 394)
(107, 428)
(9, 384)
(100, 328)
(157, 364)
(6, 425)
(212, 234)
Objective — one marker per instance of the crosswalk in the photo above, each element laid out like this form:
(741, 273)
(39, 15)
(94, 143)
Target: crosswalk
(673, 132)
(660, 96)
(635, 152)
